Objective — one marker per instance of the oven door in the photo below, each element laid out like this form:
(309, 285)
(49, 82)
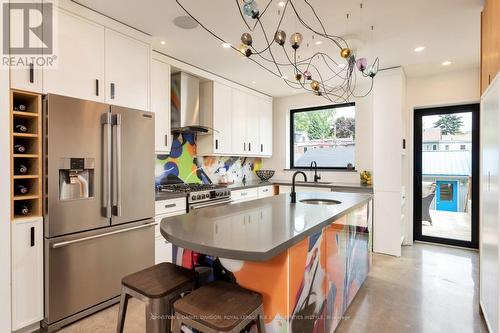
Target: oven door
(194, 206)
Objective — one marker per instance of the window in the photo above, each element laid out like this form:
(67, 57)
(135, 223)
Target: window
(325, 135)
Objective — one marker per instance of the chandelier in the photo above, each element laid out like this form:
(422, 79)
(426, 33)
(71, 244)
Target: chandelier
(331, 74)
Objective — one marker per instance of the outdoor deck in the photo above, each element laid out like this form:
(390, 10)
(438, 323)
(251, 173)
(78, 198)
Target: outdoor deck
(448, 225)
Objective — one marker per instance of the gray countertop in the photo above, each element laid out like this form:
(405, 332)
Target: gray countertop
(168, 195)
(248, 184)
(256, 230)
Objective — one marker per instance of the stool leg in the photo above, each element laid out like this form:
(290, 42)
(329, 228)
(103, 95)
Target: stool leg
(156, 316)
(123, 310)
(261, 325)
(176, 323)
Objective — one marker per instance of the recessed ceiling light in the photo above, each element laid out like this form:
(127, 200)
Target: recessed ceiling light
(446, 63)
(254, 82)
(281, 3)
(284, 77)
(419, 48)
(319, 42)
(163, 42)
(226, 45)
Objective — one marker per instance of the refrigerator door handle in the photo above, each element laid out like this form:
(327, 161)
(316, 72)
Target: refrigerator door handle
(62, 244)
(117, 122)
(107, 160)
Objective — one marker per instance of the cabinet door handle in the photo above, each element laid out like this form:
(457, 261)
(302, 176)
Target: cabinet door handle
(170, 205)
(32, 236)
(261, 147)
(244, 146)
(249, 146)
(32, 73)
(97, 87)
(166, 140)
(112, 91)
(216, 144)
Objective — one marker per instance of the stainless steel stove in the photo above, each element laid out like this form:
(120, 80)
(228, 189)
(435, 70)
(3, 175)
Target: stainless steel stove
(200, 195)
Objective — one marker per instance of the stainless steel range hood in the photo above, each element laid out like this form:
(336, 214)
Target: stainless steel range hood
(185, 108)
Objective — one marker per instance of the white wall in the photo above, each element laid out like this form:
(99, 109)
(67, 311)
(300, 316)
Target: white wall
(452, 88)
(281, 134)
(5, 309)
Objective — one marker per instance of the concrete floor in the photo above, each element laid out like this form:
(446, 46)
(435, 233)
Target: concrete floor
(453, 225)
(429, 289)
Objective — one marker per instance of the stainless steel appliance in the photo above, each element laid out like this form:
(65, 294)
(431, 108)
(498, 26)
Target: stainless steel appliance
(99, 204)
(200, 195)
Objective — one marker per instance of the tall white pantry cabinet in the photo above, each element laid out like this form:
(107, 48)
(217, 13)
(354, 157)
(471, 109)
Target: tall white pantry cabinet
(489, 234)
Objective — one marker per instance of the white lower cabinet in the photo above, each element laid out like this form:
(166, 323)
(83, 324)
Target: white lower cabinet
(166, 208)
(244, 195)
(27, 272)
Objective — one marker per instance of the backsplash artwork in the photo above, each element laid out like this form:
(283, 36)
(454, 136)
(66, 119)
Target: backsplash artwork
(183, 163)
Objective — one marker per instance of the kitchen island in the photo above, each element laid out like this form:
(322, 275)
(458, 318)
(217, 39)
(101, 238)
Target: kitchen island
(307, 260)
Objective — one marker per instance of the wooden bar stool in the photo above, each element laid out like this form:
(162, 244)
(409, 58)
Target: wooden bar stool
(158, 286)
(219, 307)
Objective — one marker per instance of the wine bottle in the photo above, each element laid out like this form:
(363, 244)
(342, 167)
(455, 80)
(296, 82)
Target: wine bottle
(21, 107)
(19, 149)
(22, 209)
(21, 189)
(20, 128)
(21, 169)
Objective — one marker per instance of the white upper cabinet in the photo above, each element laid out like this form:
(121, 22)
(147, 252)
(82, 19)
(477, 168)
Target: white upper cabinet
(252, 125)
(266, 127)
(127, 67)
(160, 105)
(242, 122)
(29, 76)
(79, 71)
(239, 122)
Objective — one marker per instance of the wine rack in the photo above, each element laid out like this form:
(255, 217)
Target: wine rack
(26, 154)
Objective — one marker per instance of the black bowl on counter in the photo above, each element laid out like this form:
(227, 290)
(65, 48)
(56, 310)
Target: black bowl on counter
(264, 175)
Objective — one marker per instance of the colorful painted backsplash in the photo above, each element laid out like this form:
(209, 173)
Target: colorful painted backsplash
(183, 163)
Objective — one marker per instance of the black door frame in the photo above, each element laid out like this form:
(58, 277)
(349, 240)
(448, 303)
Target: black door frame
(417, 174)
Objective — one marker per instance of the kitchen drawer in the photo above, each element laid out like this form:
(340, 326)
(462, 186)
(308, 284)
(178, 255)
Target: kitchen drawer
(170, 206)
(266, 191)
(244, 195)
(163, 250)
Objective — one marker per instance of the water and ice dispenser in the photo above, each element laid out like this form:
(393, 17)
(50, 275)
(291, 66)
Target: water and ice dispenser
(76, 178)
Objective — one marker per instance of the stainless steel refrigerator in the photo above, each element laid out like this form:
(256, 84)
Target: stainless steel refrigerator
(99, 203)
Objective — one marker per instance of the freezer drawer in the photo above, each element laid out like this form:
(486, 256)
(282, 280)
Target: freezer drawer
(86, 269)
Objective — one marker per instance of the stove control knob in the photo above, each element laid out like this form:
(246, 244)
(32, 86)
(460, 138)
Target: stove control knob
(193, 197)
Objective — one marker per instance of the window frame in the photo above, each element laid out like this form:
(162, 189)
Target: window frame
(292, 136)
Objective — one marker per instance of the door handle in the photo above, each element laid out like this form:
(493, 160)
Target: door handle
(32, 236)
(216, 144)
(249, 146)
(107, 161)
(117, 122)
(261, 147)
(244, 146)
(97, 87)
(32, 73)
(112, 87)
(79, 240)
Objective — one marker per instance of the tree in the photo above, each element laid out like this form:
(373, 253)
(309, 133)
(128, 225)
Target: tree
(449, 124)
(344, 127)
(317, 124)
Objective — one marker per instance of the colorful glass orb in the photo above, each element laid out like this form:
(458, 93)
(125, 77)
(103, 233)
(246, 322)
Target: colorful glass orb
(246, 39)
(308, 75)
(298, 76)
(345, 52)
(361, 64)
(243, 49)
(280, 37)
(248, 1)
(296, 40)
(315, 85)
(371, 72)
(250, 9)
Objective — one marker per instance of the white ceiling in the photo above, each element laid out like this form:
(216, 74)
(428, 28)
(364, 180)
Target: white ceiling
(449, 29)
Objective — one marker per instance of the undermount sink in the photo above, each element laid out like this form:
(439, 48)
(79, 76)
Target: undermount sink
(320, 201)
